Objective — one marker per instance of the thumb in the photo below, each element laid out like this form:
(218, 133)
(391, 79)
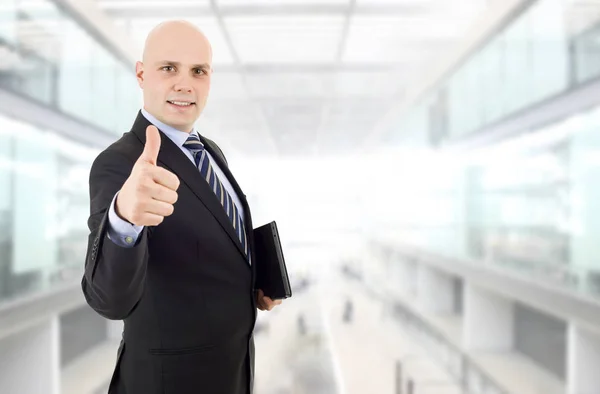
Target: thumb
(150, 153)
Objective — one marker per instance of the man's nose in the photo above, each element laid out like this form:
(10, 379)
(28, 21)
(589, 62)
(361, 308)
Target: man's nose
(183, 88)
(183, 84)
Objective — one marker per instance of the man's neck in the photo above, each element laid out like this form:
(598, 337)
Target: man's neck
(187, 130)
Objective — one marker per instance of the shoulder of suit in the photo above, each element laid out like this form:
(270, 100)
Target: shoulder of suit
(216, 148)
(128, 146)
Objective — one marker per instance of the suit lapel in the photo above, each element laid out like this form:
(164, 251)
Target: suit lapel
(171, 156)
(223, 166)
(238, 190)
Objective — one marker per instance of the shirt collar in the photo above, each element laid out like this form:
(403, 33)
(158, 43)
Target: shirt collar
(177, 136)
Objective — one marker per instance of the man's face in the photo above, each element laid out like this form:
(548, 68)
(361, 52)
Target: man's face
(175, 75)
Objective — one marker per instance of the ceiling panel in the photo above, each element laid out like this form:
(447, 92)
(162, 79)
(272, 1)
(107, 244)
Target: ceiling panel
(279, 2)
(146, 4)
(291, 91)
(449, 9)
(285, 39)
(385, 39)
(261, 3)
(394, 2)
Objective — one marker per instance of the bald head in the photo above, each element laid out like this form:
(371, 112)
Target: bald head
(168, 32)
(175, 73)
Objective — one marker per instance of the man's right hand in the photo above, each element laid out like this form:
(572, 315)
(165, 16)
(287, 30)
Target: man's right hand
(150, 191)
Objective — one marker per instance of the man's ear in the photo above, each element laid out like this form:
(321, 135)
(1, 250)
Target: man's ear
(139, 73)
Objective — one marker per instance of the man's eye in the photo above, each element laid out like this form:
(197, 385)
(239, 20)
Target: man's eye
(167, 68)
(200, 71)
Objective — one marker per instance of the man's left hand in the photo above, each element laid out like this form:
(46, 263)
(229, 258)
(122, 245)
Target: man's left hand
(265, 303)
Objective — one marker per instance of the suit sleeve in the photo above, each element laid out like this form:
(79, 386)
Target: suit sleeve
(114, 276)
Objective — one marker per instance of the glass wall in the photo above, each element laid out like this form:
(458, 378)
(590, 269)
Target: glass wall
(44, 207)
(47, 56)
(522, 213)
(528, 204)
(550, 48)
(523, 64)
(587, 54)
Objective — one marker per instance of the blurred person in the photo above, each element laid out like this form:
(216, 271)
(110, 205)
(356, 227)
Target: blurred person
(301, 324)
(170, 248)
(348, 311)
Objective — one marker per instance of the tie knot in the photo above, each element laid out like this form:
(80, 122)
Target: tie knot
(193, 143)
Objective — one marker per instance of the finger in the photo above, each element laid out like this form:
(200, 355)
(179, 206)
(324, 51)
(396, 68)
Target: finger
(161, 193)
(260, 294)
(260, 305)
(268, 303)
(263, 305)
(165, 177)
(152, 146)
(160, 208)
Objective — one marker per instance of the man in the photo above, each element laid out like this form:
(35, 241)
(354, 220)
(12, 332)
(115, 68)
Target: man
(170, 249)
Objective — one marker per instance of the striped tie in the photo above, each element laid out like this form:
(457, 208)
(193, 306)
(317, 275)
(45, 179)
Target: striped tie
(203, 163)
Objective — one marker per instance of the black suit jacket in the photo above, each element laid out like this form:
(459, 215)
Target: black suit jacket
(185, 291)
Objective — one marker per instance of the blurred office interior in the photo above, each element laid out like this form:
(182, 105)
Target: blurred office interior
(433, 167)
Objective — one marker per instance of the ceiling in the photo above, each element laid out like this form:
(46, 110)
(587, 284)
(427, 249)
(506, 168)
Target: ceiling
(306, 77)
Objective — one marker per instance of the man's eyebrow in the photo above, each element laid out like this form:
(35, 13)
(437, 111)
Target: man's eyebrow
(169, 62)
(205, 66)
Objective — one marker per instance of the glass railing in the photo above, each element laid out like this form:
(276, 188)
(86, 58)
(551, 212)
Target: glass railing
(580, 279)
(467, 374)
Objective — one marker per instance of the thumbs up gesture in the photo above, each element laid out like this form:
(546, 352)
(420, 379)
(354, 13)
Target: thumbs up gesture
(149, 193)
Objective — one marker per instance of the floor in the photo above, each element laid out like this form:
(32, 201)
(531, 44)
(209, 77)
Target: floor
(332, 337)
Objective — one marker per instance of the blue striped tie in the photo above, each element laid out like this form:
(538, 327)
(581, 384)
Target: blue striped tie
(203, 163)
